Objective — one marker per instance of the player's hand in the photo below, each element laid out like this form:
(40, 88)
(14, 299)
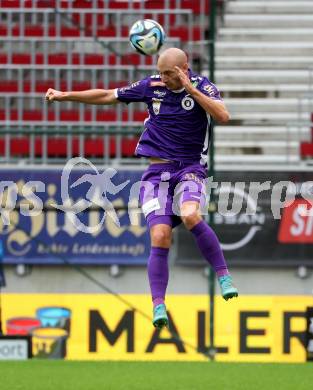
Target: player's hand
(54, 95)
(184, 79)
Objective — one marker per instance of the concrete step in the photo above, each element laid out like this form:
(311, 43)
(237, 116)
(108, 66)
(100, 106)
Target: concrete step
(259, 151)
(264, 118)
(264, 76)
(257, 159)
(255, 143)
(261, 133)
(268, 20)
(269, 34)
(259, 62)
(265, 48)
(268, 105)
(259, 147)
(262, 90)
(246, 130)
(271, 7)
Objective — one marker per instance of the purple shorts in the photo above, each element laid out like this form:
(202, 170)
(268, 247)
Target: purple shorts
(165, 186)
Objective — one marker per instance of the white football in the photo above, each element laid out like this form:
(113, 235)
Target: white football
(146, 36)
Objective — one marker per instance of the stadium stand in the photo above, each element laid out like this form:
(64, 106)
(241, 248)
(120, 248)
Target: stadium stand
(38, 52)
(262, 69)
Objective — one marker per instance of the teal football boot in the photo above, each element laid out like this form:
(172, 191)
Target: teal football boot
(227, 288)
(160, 318)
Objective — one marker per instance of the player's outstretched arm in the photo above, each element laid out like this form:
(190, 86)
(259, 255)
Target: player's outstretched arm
(90, 96)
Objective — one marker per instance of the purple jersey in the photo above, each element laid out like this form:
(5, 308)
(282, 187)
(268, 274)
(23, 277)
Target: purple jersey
(176, 128)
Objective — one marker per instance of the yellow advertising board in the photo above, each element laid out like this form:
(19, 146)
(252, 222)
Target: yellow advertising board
(100, 326)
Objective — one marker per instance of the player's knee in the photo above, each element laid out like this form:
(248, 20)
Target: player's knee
(161, 236)
(191, 219)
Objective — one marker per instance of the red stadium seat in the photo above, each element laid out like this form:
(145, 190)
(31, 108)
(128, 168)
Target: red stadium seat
(94, 147)
(3, 58)
(20, 146)
(8, 86)
(140, 116)
(129, 146)
(38, 4)
(115, 84)
(41, 86)
(116, 4)
(195, 6)
(21, 58)
(57, 147)
(101, 115)
(104, 115)
(161, 18)
(65, 31)
(10, 4)
(81, 4)
(3, 30)
(180, 31)
(27, 3)
(79, 85)
(135, 59)
(88, 19)
(113, 4)
(306, 149)
(46, 3)
(30, 30)
(32, 115)
(74, 59)
(106, 31)
(34, 31)
(94, 59)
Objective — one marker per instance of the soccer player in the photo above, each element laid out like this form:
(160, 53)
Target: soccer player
(181, 105)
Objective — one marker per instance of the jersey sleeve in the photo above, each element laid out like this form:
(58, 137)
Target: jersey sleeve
(132, 93)
(210, 90)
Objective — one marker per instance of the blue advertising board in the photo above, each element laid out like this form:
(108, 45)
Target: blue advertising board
(77, 216)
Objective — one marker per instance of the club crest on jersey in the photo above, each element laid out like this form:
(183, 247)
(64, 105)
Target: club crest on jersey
(188, 103)
(156, 105)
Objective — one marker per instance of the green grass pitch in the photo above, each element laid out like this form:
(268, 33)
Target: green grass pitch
(67, 375)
